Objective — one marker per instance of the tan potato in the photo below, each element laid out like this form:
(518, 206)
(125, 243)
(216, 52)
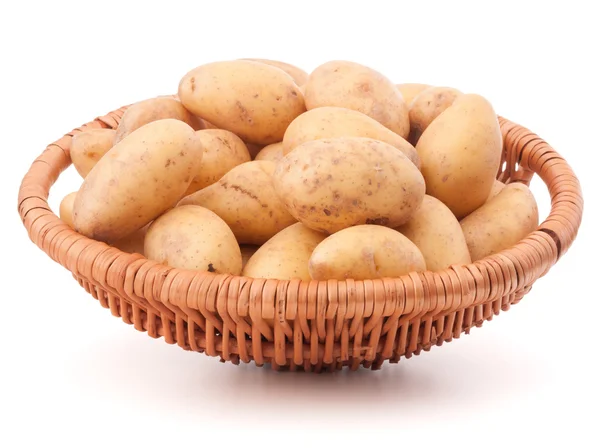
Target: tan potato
(354, 86)
(253, 100)
(66, 209)
(147, 111)
(427, 106)
(272, 152)
(332, 122)
(331, 184)
(90, 146)
(247, 251)
(192, 237)
(223, 150)
(300, 76)
(460, 153)
(246, 200)
(502, 222)
(497, 187)
(137, 180)
(365, 252)
(410, 90)
(285, 256)
(437, 233)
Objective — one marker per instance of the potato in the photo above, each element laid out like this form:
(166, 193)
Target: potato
(66, 209)
(153, 109)
(502, 222)
(192, 237)
(285, 256)
(253, 100)
(246, 200)
(354, 86)
(331, 184)
(139, 178)
(223, 150)
(365, 252)
(460, 153)
(411, 90)
(427, 106)
(437, 233)
(90, 146)
(497, 187)
(332, 122)
(300, 76)
(272, 152)
(247, 251)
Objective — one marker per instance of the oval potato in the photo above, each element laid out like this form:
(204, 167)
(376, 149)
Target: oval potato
(285, 256)
(300, 76)
(246, 200)
(460, 153)
(223, 150)
(272, 152)
(192, 237)
(153, 109)
(332, 122)
(331, 184)
(253, 100)
(501, 222)
(365, 252)
(354, 86)
(427, 106)
(137, 180)
(410, 90)
(437, 233)
(90, 146)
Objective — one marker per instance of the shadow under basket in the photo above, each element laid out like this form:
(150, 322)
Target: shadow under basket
(318, 325)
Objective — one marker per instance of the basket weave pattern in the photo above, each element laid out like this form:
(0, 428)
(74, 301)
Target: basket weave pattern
(318, 325)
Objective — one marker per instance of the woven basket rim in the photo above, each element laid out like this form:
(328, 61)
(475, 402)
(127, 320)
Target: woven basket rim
(524, 154)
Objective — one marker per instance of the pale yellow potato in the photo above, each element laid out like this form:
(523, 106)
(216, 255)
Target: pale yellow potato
(460, 153)
(65, 211)
(246, 200)
(501, 222)
(223, 150)
(153, 109)
(410, 90)
(331, 184)
(253, 100)
(332, 122)
(272, 152)
(193, 237)
(285, 256)
(365, 252)
(437, 233)
(354, 86)
(300, 76)
(497, 187)
(247, 251)
(137, 180)
(427, 106)
(90, 146)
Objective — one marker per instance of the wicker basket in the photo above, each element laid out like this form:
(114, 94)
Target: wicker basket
(318, 325)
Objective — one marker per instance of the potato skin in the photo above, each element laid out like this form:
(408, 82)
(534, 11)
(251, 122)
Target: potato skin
(90, 146)
(410, 90)
(365, 252)
(223, 150)
(331, 184)
(255, 101)
(137, 180)
(437, 233)
(272, 152)
(427, 106)
(501, 222)
(332, 122)
(147, 111)
(300, 76)
(192, 237)
(460, 153)
(354, 86)
(246, 200)
(285, 256)
(66, 209)
(497, 187)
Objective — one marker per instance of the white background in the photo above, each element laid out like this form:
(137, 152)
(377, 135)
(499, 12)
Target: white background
(71, 374)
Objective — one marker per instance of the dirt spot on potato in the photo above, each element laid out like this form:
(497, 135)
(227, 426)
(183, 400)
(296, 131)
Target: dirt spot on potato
(445, 178)
(327, 212)
(192, 83)
(168, 163)
(381, 221)
(211, 268)
(243, 112)
(245, 192)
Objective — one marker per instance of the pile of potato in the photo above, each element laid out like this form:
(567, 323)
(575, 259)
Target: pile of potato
(257, 168)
